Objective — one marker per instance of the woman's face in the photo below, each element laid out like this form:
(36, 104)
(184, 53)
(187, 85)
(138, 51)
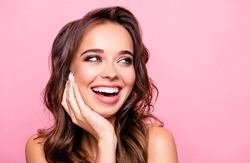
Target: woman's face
(103, 68)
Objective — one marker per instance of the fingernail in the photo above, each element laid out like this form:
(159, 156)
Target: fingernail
(72, 79)
(69, 77)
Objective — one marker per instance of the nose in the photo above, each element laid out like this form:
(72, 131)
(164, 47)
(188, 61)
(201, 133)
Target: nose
(109, 72)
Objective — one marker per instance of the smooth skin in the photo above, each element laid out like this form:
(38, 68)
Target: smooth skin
(161, 148)
(104, 59)
(110, 64)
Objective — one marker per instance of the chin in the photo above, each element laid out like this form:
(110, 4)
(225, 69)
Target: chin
(105, 110)
(106, 115)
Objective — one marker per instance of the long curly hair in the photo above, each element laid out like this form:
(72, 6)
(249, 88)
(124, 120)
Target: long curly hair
(63, 140)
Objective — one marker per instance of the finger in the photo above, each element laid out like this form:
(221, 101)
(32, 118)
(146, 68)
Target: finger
(67, 103)
(70, 111)
(80, 101)
(64, 101)
(85, 112)
(71, 100)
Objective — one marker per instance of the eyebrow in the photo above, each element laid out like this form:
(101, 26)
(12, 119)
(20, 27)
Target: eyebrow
(126, 52)
(92, 51)
(102, 51)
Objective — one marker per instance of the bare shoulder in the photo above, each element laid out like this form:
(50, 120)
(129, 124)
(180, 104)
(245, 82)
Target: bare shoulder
(161, 145)
(34, 150)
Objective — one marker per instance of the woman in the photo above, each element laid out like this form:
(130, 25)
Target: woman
(100, 96)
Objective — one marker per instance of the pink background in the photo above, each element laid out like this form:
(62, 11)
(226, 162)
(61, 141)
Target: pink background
(200, 61)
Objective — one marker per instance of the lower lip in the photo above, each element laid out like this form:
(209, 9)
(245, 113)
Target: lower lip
(107, 99)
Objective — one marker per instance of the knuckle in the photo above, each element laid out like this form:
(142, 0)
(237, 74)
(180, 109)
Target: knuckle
(68, 99)
(74, 121)
(63, 103)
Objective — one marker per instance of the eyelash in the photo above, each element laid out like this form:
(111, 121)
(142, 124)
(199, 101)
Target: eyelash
(89, 58)
(127, 60)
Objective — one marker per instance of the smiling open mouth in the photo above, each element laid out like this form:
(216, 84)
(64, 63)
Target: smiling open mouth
(106, 91)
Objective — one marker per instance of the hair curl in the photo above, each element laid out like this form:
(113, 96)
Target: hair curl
(63, 140)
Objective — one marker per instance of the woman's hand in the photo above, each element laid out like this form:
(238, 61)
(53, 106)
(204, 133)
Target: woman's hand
(89, 120)
(83, 116)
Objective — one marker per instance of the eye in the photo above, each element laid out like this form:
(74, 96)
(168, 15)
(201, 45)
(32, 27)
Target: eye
(92, 58)
(127, 60)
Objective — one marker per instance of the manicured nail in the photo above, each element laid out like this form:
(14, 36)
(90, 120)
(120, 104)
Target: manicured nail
(72, 79)
(69, 77)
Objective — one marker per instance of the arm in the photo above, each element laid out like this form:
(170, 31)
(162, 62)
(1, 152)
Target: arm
(106, 151)
(34, 150)
(161, 147)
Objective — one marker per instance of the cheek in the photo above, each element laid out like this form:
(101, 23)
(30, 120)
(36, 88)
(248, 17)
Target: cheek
(84, 75)
(130, 78)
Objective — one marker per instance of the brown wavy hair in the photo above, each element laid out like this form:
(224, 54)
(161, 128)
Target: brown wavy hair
(63, 140)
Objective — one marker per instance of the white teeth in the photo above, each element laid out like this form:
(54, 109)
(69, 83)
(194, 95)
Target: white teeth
(106, 90)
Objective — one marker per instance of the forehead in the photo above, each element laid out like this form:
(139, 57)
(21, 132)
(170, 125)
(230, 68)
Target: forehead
(107, 35)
